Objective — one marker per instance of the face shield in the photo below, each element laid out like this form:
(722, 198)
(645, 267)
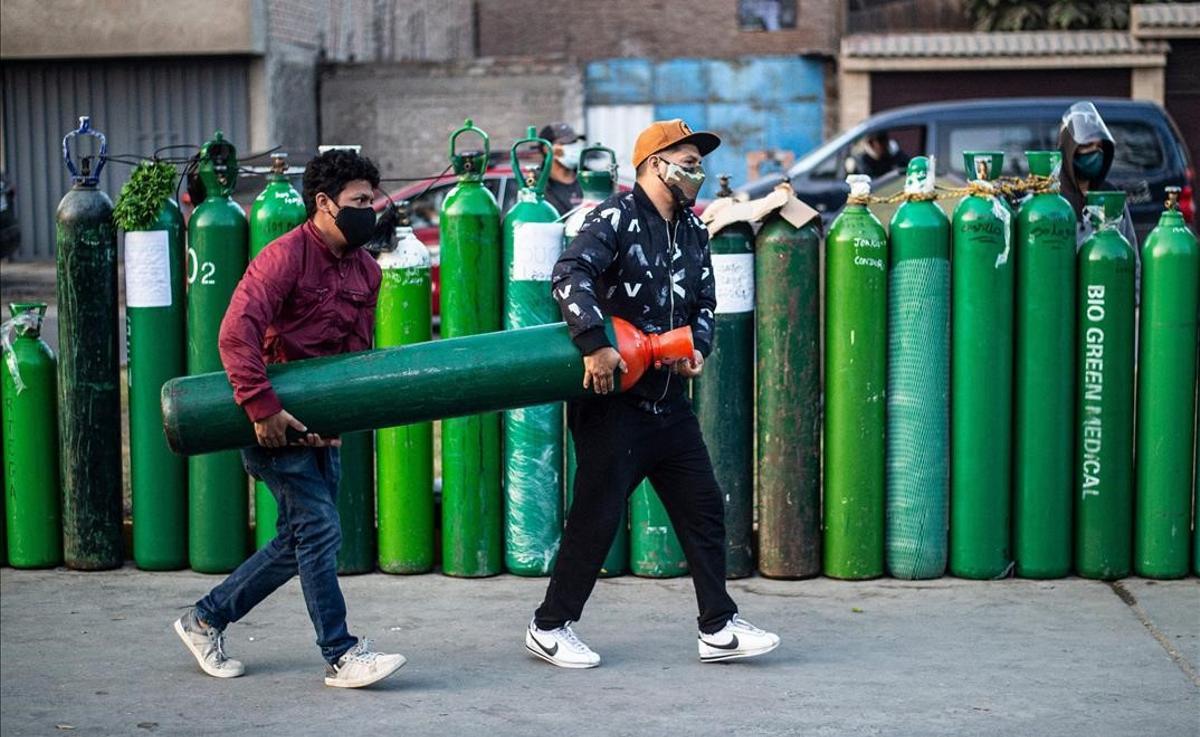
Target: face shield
(1084, 124)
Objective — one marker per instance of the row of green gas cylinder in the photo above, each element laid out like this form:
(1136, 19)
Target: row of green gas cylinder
(1032, 463)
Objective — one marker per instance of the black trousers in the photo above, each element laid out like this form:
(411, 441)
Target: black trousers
(618, 445)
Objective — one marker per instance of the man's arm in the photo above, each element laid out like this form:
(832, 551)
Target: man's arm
(255, 304)
(573, 283)
(704, 319)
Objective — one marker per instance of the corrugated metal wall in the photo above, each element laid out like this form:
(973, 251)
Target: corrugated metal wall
(139, 104)
(757, 103)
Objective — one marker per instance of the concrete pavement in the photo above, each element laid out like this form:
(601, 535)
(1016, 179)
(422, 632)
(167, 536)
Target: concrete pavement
(95, 654)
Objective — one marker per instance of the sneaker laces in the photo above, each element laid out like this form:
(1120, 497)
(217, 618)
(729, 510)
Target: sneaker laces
(361, 653)
(572, 639)
(217, 638)
(740, 623)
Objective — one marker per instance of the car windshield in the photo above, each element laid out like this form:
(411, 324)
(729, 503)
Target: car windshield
(1139, 148)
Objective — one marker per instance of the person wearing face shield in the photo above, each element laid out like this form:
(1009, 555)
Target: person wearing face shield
(642, 256)
(562, 190)
(1087, 149)
(311, 292)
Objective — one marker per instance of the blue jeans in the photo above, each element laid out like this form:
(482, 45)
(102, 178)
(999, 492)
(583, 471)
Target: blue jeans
(304, 482)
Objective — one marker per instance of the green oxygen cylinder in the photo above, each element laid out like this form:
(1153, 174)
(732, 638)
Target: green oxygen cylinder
(787, 276)
(89, 392)
(1044, 377)
(597, 181)
(404, 454)
(918, 393)
(1104, 415)
(218, 514)
(278, 209)
(723, 396)
(1166, 395)
(533, 436)
(472, 503)
(855, 376)
(155, 322)
(654, 548)
(981, 376)
(32, 501)
(356, 503)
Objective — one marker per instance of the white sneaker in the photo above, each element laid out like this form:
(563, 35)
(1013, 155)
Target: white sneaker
(560, 647)
(737, 639)
(361, 666)
(207, 645)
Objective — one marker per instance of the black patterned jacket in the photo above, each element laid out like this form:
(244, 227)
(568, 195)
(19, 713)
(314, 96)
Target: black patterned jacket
(628, 262)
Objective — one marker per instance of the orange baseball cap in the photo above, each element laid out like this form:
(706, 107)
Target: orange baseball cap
(666, 133)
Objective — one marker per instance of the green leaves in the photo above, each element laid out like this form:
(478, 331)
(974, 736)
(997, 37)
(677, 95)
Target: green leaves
(1056, 15)
(150, 184)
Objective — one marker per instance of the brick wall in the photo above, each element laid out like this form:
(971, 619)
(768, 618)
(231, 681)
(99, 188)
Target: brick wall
(657, 29)
(403, 113)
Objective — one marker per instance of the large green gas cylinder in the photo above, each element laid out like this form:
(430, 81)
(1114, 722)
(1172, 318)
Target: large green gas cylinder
(217, 248)
(533, 436)
(155, 323)
(1104, 416)
(787, 275)
(404, 454)
(855, 376)
(597, 181)
(918, 394)
(981, 376)
(723, 396)
(89, 392)
(1166, 395)
(472, 504)
(278, 209)
(1044, 368)
(30, 442)
(654, 548)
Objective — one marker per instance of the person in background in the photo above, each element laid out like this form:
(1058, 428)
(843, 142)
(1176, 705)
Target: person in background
(563, 190)
(1087, 149)
(880, 155)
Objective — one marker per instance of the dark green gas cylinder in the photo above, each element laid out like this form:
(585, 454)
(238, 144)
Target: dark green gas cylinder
(723, 395)
(89, 392)
(918, 395)
(156, 322)
(654, 548)
(1044, 382)
(1166, 395)
(472, 503)
(981, 376)
(787, 276)
(533, 436)
(28, 386)
(855, 381)
(218, 515)
(1104, 410)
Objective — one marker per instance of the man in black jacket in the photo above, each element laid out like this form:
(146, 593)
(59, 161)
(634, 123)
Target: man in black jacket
(642, 256)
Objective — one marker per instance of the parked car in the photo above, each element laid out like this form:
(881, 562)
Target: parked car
(10, 231)
(1150, 152)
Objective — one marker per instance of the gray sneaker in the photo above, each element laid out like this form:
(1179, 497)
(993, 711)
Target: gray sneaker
(361, 666)
(207, 644)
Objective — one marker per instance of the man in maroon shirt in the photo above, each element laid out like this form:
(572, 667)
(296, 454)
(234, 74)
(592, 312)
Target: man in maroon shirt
(311, 292)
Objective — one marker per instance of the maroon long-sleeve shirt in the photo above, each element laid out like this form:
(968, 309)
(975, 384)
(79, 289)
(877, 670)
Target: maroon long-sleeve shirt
(296, 300)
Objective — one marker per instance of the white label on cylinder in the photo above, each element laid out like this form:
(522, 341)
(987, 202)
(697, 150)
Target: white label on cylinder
(536, 248)
(734, 275)
(147, 268)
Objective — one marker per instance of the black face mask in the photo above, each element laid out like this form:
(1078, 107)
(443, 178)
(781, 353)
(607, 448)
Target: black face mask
(357, 225)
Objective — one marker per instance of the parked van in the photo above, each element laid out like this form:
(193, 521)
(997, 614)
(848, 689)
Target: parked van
(1150, 152)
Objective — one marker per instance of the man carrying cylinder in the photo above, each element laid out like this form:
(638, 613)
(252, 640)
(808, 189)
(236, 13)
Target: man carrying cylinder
(642, 256)
(310, 293)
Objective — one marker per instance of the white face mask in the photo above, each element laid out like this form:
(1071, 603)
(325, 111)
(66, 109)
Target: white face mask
(570, 154)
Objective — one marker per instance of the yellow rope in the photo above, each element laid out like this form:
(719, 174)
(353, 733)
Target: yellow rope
(1004, 186)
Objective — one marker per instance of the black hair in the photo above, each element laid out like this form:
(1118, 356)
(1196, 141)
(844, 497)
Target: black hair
(641, 168)
(331, 171)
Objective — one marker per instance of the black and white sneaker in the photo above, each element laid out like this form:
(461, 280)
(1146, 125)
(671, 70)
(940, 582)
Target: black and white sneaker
(560, 647)
(737, 639)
